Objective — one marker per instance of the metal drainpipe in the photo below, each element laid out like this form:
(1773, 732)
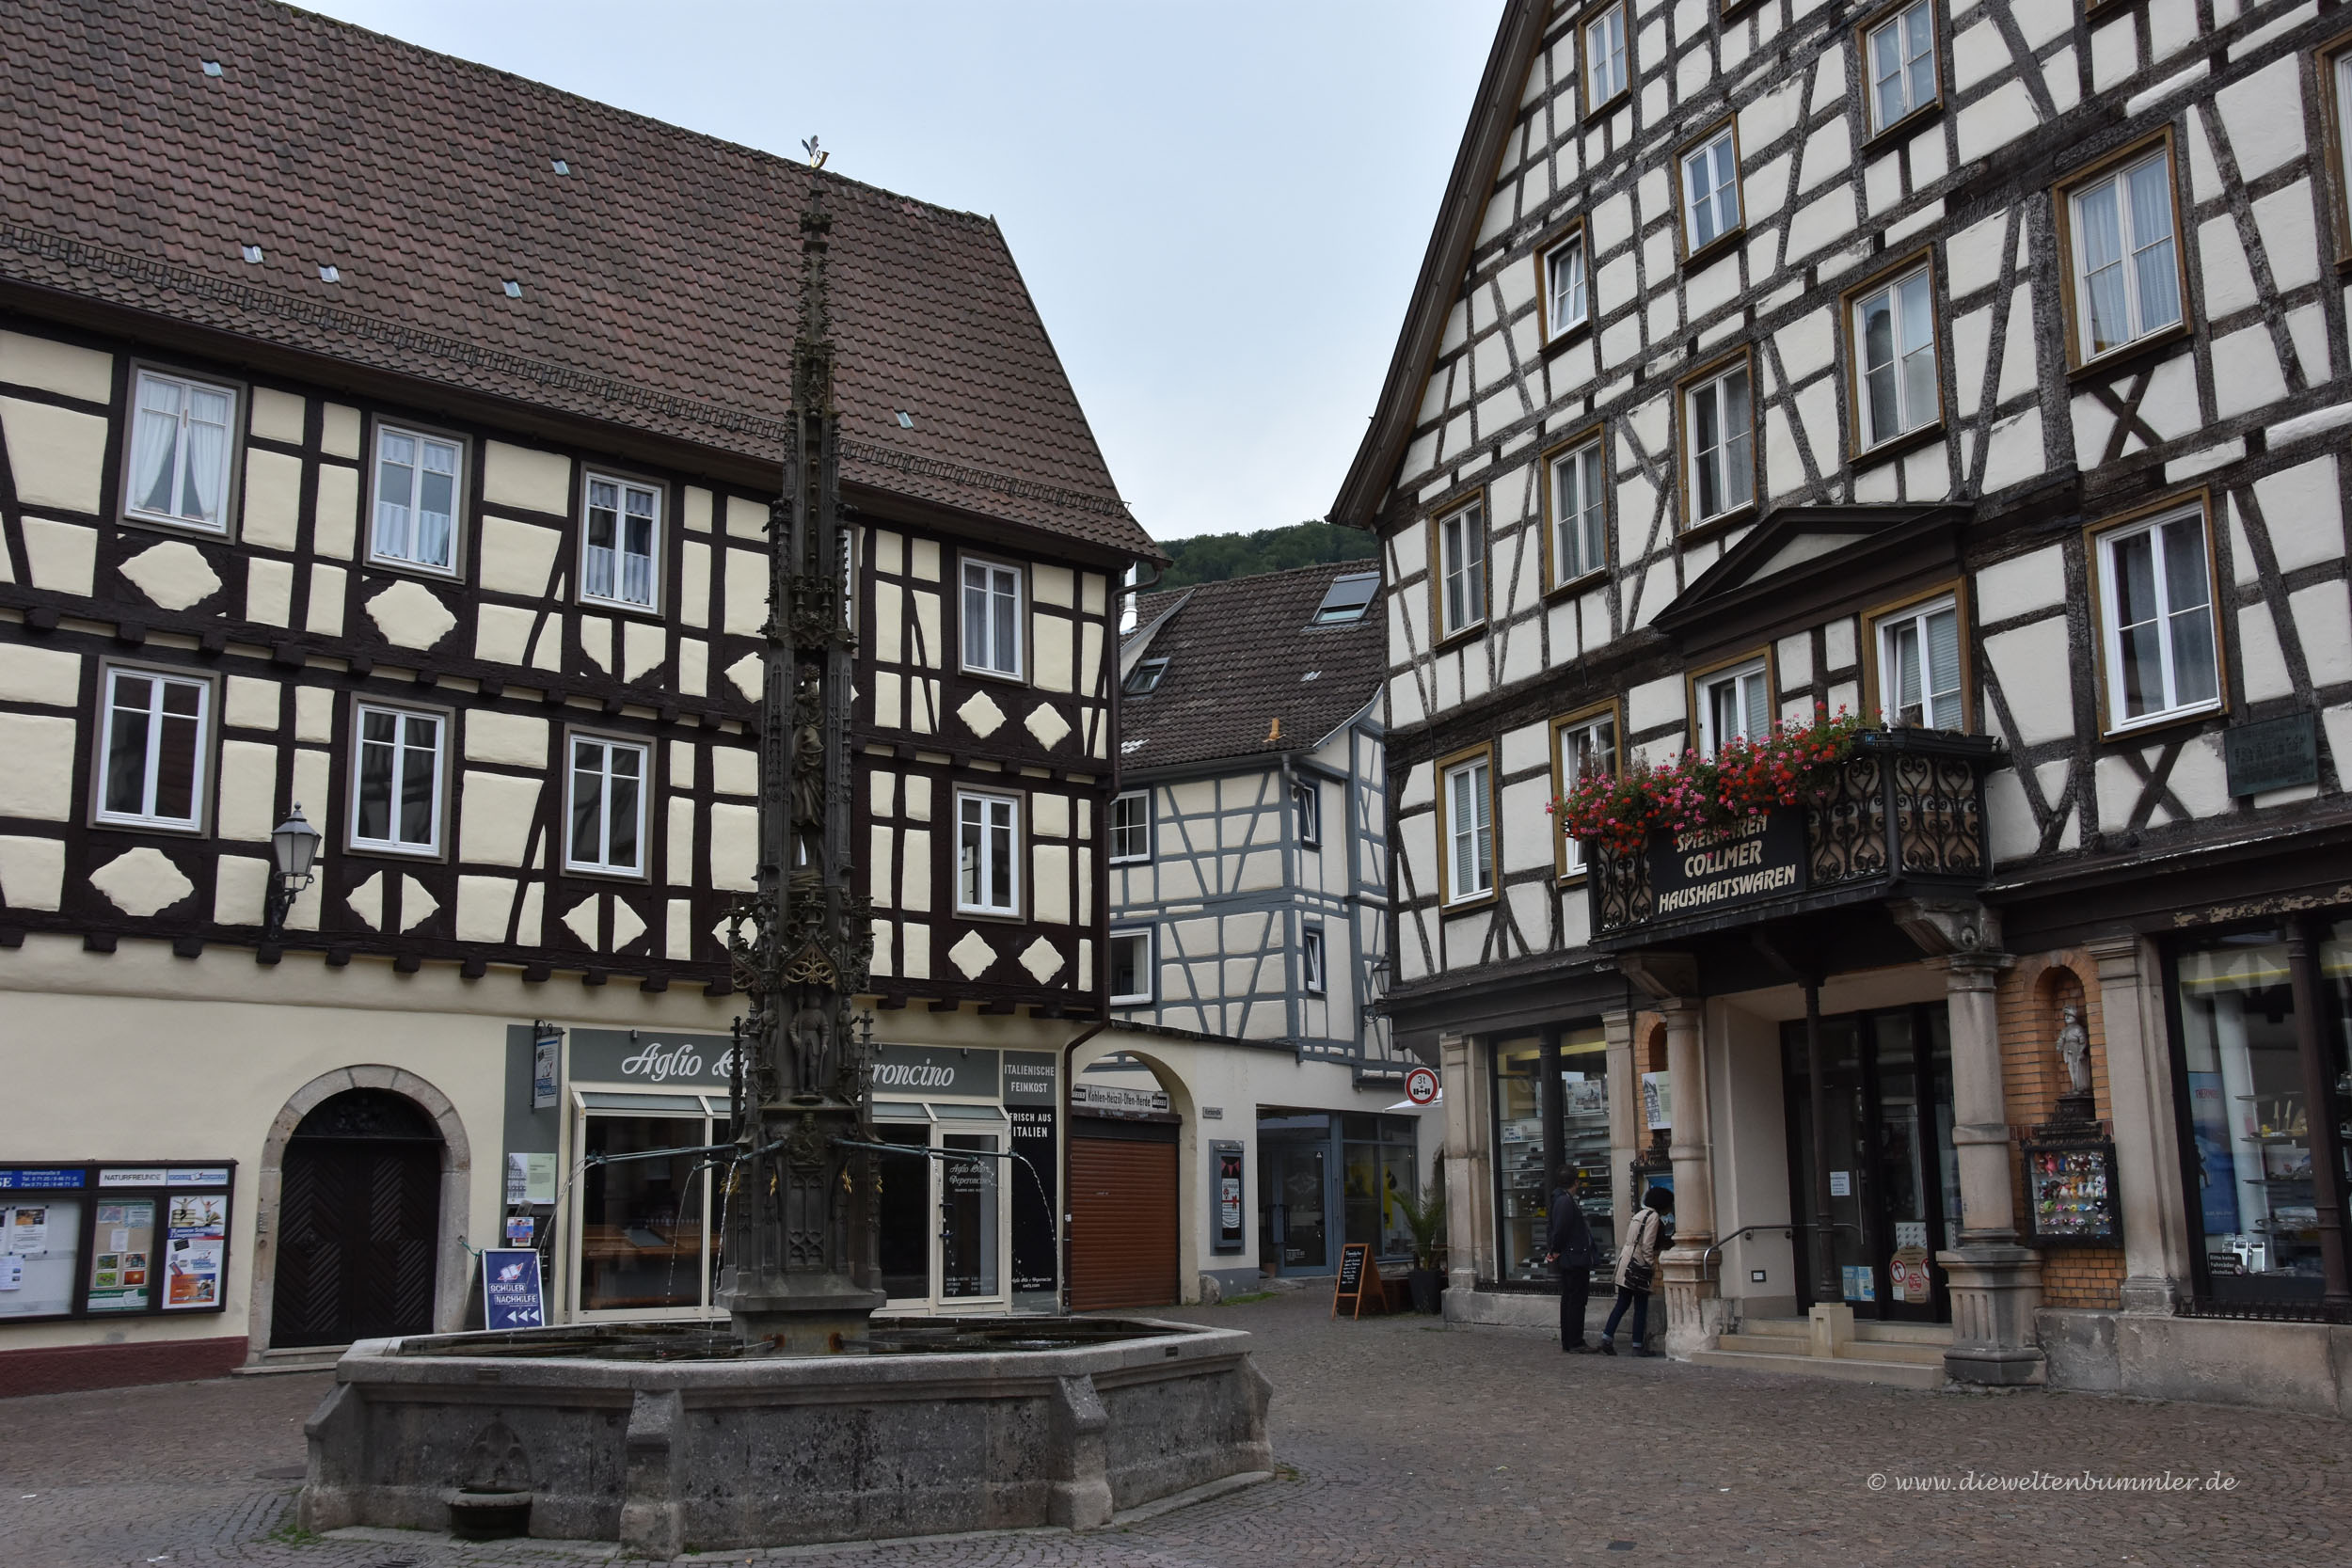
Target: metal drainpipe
(1297, 1002)
(1062, 1111)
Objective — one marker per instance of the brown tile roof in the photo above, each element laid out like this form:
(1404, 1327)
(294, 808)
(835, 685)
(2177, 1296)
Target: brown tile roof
(1237, 653)
(660, 277)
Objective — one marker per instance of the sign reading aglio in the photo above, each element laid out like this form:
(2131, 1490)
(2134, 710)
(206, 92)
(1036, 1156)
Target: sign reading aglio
(1708, 868)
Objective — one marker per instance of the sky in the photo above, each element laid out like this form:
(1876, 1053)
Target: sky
(1219, 208)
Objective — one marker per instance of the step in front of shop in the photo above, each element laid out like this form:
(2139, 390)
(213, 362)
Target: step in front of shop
(1898, 1356)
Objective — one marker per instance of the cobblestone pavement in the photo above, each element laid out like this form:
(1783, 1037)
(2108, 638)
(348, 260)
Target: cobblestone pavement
(1401, 1443)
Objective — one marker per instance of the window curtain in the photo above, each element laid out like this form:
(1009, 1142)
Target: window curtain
(208, 454)
(154, 444)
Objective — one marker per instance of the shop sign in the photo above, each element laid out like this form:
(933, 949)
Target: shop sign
(2278, 753)
(1029, 1077)
(1710, 869)
(902, 1069)
(640, 1056)
(547, 1070)
(1033, 1108)
(511, 1296)
(20, 1179)
(1112, 1097)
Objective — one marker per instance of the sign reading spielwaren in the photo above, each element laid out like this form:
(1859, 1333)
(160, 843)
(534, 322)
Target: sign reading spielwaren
(1710, 869)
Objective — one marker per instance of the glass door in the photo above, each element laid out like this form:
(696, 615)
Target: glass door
(904, 1213)
(969, 1250)
(1293, 1225)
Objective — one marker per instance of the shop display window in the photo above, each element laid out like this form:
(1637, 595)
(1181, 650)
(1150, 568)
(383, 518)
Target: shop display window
(646, 1223)
(2258, 1117)
(1379, 1168)
(1523, 1206)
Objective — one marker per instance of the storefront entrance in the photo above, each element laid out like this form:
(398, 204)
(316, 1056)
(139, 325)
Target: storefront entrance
(358, 1222)
(1892, 1181)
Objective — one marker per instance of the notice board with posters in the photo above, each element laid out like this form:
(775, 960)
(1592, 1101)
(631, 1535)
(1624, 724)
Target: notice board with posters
(93, 1240)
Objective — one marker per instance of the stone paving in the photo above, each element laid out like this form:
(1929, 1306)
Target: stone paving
(1401, 1443)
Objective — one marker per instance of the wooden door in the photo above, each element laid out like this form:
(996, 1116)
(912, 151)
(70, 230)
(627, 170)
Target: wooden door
(358, 1220)
(1123, 1224)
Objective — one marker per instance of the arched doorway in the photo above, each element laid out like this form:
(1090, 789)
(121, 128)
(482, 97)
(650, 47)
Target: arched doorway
(358, 1222)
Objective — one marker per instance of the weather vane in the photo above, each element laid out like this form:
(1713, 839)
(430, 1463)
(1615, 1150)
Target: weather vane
(816, 156)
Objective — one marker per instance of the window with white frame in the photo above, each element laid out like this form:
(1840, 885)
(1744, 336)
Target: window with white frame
(151, 757)
(1718, 429)
(2156, 584)
(1902, 65)
(1310, 974)
(1580, 513)
(181, 442)
(1588, 748)
(1130, 967)
(1462, 552)
(1894, 328)
(1469, 832)
(1567, 294)
(1734, 705)
(1605, 66)
(1131, 827)
(992, 618)
(1308, 794)
(396, 780)
(417, 478)
(1919, 666)
(2127, 280)
(608, 806)
(988, 854)
(1710, 190)
(617, 545)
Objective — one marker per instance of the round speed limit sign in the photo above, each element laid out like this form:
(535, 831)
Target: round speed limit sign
(1420, 1085)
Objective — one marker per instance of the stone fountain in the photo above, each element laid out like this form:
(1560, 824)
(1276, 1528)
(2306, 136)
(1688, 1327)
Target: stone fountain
(805, 1421)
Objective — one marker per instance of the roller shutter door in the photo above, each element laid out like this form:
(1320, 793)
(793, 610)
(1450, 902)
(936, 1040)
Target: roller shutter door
(1122, 1231)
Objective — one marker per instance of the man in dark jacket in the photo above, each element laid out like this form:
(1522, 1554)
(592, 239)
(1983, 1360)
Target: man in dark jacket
(1568, 1249)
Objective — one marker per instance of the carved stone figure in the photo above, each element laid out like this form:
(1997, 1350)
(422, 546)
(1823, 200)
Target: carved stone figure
(2074, 1048)
(810, 1029)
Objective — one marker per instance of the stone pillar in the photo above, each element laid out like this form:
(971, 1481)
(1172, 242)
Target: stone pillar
(1996, 1284)
(2146, 1149)
(1624, 1115)
(1469, 1233)
(1694, 1310)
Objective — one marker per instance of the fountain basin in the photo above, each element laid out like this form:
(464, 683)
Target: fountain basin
(670, 1440)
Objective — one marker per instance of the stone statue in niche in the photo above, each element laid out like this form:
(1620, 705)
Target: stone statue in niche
(2074, 1048)
(810, 1029)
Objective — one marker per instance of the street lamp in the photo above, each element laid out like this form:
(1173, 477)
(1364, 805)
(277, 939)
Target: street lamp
(295, 844)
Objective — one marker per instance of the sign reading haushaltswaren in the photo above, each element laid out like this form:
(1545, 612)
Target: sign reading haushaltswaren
(1710, 869)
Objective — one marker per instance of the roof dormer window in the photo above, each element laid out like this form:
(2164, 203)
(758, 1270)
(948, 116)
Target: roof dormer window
(1347, 598)
(1144, 678)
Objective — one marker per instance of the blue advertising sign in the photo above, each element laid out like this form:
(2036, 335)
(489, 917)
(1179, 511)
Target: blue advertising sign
(40, 1178)
(510, 1297)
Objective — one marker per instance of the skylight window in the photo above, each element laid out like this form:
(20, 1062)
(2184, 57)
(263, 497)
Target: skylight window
(328, 273)
(560, 166)
(514, 290)
(1347, 598)
(906, 421)
(1145, 678)
(212, 68)
(251, 252)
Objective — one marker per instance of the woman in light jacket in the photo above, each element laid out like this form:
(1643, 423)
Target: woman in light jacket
(1637, 1270)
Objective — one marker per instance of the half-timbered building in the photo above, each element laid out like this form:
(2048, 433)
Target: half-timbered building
(391, 441)
(1980, 369)
(1249, 892)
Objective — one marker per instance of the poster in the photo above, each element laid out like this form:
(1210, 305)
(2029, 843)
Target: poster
(1657, 1104)
(1861, 1282)
(511, 1296)
(1908, 1274)
(119, 1264)
(518, 1230)
(39, 1256)
(197, 1236)
(28, 1229)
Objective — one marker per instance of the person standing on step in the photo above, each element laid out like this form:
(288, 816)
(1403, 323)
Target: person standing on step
(1568, 1249)
(1637, 1270)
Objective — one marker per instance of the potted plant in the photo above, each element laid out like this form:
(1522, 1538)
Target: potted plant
(1424, 1216)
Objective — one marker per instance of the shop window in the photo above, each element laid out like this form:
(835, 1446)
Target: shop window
(1902, 65)
(181, 450)
(396, 780)
(2124, 255)
(906, 1220)
(1377, 1168)
(1131, 827)
(1462, 564)
(1309, 796)
(1311, 972)
(1524, 1187)
(1131, 968)
(1583, 749)
(2156, 593)
(152, 761)
(1711, 191)
(608, 806)
(645, 1222)
(1734, 705)
(617, 545)
(1920, 673)
(1719, 439)
(1568, 291)
(2263, 1119)
(417, 480)
(988, 843)
(992, 618)
(1607, 70)
(1580, 513)
(1470, 833)
(1894, 343)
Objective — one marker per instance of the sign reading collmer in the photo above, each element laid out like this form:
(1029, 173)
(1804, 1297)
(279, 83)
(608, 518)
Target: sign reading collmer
(1708, 868)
